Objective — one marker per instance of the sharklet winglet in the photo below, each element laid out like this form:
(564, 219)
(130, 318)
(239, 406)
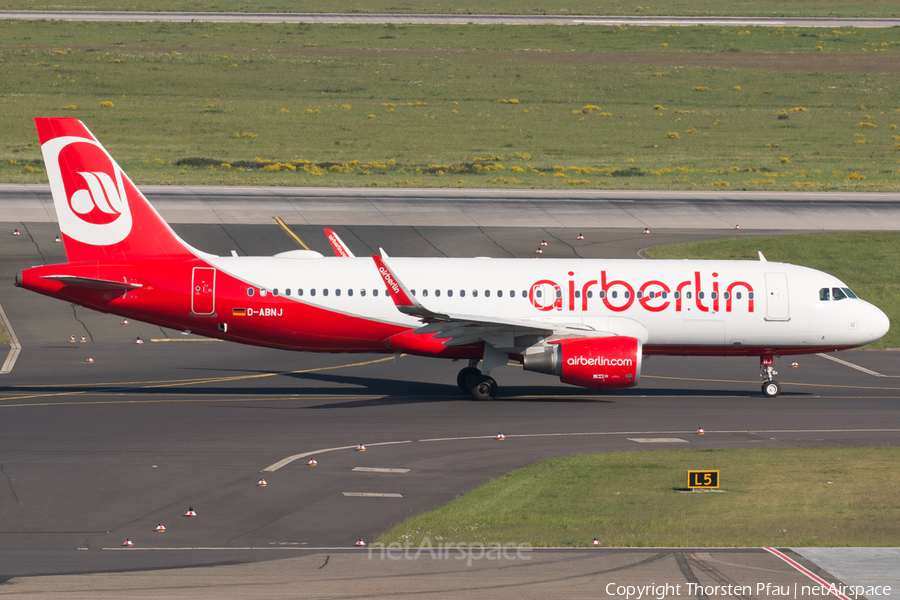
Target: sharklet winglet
(403, 299)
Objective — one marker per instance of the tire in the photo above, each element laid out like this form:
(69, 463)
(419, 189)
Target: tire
(771, 389)
(483, 388)
(463, 377)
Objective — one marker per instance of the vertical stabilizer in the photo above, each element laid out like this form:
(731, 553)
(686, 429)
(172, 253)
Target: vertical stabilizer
(102, 215)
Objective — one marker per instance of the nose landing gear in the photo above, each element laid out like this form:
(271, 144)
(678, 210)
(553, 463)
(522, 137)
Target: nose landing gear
(770, 387)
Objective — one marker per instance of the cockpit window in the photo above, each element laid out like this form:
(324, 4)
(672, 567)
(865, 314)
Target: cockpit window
(838, 293)
(849, 293)
(824, 294)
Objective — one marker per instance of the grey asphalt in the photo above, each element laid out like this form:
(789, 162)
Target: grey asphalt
(710, 211)
(94, 453)
(450, 19)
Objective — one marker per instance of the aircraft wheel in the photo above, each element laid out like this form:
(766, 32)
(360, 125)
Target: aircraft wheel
(771, 389)
(464, 375)
(483, 388)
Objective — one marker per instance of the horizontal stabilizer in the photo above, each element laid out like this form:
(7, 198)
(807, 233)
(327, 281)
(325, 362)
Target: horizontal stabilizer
(92, 284)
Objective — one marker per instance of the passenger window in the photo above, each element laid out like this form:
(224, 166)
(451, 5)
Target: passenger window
(615, 294)
(362, 292)
(275, 292)
(577, 294)
(714, 295)
(424, 293)
(524, 294)
(337, 292)
(664, 295)
(750, 295)
(263, 292)
(325, 292)
(312, 292)
(499, 293)
(487, 293)
(559, 293)
(413, 292)
(437, 293)
(287, 291)
(737, 295)
(700, 295)
(688, 295)
(475, 293)
(350, 292)
(640, 294)
(838, 294)
(727, 295)
(374, 292)
(824, 294)
(250, 291)
(449, 293)
(627, 294)
(300, 291)
(677, 295)
(462, 293)
(849, 293)
(600, 295)
(590, 294)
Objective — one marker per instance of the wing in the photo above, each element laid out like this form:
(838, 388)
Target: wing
(510, 335)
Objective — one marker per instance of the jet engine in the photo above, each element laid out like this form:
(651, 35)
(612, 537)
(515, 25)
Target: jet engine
(607, 362)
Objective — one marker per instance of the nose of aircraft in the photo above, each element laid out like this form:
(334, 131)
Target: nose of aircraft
(876, 323)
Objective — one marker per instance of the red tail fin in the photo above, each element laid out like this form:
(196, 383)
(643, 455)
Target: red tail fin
(101, 213)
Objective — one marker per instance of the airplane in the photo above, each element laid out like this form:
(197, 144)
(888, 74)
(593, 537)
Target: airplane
(589, 322)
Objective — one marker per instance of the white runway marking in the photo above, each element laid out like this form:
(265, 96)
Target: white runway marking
(14, 346)
(286, 461)
(372, 495)
(853, 366)
(658, 440)
(380, 470)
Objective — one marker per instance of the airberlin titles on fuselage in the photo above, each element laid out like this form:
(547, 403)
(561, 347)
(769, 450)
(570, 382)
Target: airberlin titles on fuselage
(652, 295)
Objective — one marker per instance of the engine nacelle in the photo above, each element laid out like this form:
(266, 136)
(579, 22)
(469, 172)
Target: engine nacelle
(607, 362)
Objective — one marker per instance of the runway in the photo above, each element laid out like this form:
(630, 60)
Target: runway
(446, 19)
(556, 209)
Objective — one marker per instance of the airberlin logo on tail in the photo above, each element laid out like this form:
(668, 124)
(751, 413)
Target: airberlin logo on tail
(88, 191)
(101, 194)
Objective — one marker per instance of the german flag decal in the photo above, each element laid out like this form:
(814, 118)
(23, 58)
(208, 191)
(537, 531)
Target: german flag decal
(238, 312)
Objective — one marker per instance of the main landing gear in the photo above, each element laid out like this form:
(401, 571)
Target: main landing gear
(471, 381)
(770, 387)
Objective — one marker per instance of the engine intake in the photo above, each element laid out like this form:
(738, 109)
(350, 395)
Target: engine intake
(608, 362)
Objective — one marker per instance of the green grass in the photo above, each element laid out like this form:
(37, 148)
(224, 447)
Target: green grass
(879, 8)
(774, 497)
(869, 262)
(351, 99)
